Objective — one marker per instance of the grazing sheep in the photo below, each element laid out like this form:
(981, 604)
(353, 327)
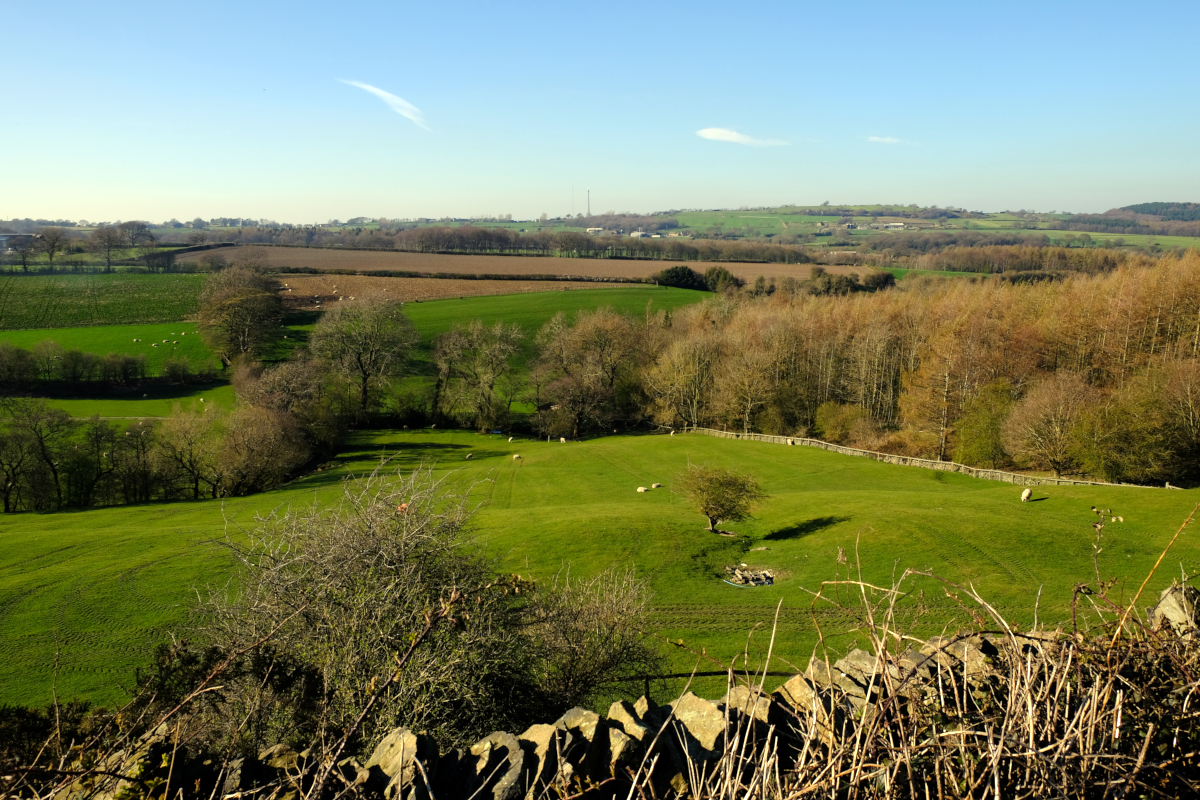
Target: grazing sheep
(791, 442)
(672, 433)
(154, 344)
(643, 489)
(1025, 495)
(468, 456)
(517, 456)
(656, 486)
(562, 439)
(510, 438)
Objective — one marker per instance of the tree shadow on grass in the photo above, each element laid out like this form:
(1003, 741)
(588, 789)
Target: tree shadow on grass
(805, 528)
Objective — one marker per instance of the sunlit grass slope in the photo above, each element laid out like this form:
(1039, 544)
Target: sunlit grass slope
(100, 588)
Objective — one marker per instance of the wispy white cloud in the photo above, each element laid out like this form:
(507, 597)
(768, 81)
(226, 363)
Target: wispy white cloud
(397, 104)
(726, 135)
(883, 140)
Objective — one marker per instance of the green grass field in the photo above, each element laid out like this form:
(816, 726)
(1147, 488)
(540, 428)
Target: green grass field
(532, 311)
(99, 588)
(60, 301)
(157, 342)
(146, 401)
(902, 273)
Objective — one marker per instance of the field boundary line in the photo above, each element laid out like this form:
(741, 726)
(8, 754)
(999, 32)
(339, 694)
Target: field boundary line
(910, 461)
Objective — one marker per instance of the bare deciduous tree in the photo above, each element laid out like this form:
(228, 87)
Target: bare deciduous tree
(136, 233)
(368, 340)
(106, 241)
(474, 363)
(1043, 428)
(53, 241)
(240, 310)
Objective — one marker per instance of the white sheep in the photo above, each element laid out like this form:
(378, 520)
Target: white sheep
(643, 489)
(791, 442)
(468, 456)
(1025, 495)
(656, 486)
(672, 433)
(510, 438)
(517, 456)
(562, 439)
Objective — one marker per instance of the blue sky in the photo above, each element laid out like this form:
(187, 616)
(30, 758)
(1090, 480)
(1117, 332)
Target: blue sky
(152, 110)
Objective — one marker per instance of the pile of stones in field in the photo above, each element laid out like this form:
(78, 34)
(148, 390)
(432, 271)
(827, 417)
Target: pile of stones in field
(744, 576)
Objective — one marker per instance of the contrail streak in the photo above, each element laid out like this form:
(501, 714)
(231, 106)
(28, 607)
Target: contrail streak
(397, 104)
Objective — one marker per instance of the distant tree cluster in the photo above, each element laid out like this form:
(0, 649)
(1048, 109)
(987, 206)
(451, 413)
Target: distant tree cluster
(977, 371)
(1183, 212)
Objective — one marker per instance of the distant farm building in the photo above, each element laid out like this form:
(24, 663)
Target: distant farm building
(595, 231)
(11, 240)
(894, 226)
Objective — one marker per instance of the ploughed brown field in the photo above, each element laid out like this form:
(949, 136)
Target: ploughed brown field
(313, 292)
(370, 260)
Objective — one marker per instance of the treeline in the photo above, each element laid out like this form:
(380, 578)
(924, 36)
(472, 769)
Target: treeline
(51, 461)
(1186, 212)
(983, 258)
(468, 239)
(48, 365)
(1094, 375)
(1108, 224)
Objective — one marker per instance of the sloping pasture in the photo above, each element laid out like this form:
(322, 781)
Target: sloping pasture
(97, 589)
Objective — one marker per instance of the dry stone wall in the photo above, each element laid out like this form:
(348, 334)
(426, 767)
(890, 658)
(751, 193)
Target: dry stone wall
(906, 461)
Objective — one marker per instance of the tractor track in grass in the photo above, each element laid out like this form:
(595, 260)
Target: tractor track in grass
(727, 619)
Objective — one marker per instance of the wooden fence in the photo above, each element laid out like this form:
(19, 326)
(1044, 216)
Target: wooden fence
(907, 461)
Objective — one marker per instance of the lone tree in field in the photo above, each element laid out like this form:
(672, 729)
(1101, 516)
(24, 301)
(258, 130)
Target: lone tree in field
(369, 341)
(722, 495)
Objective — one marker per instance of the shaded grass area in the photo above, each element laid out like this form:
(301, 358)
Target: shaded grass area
(101, 587)
(147, 401)
(59, 301)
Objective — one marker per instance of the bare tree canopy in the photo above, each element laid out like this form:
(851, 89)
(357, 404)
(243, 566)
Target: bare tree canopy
(474, 369)
(136, 233)
(348, 588)
(240, 309)
(106, 241)
(368, 340)
(53, 241)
